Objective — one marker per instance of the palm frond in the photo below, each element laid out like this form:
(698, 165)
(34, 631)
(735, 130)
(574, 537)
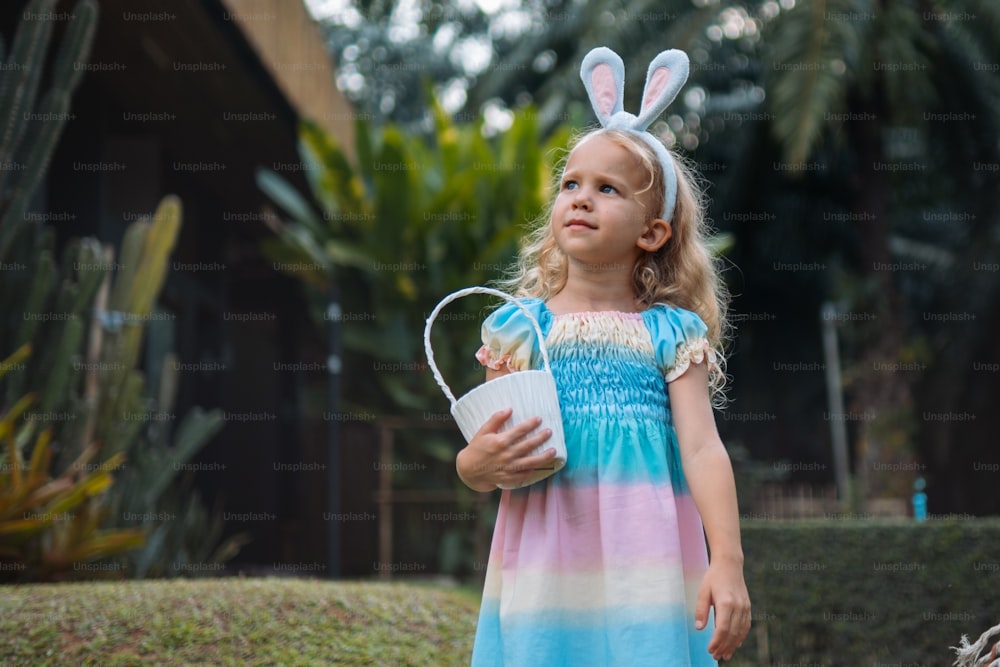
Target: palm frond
(806, 80)
(901, 58)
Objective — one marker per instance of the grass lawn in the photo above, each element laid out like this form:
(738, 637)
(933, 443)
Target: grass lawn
(236, 621)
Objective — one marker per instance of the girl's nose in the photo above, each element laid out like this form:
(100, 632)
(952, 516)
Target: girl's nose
(581, 199)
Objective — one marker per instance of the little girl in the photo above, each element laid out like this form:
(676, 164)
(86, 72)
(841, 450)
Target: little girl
(605, 563)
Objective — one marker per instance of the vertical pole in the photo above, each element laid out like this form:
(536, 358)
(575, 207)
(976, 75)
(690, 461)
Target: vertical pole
(835, 401)
(385, 502)
(334, 364)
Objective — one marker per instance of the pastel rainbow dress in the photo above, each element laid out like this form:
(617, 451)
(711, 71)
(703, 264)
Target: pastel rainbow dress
(600, 564)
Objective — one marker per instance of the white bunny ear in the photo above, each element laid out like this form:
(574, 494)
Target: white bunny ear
(667, 73)
(603, 74)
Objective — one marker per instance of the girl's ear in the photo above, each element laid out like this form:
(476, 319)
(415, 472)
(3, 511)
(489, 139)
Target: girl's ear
(657, 233)
(667, 73)
(603, 74)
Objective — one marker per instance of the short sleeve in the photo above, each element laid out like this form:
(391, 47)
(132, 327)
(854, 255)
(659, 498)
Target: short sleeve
(509, 338)
(680, 338)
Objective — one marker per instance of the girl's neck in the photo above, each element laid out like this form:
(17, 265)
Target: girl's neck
(596, 291)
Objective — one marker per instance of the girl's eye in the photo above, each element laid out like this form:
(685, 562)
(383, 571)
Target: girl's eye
(608, 189)
(569, 185)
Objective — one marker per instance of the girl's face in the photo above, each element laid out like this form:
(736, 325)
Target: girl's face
(599, 215)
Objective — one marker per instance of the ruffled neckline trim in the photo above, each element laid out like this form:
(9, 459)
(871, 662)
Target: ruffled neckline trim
(590, 314)
(620, 314)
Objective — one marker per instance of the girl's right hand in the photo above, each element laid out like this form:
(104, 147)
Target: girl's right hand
(492, 458)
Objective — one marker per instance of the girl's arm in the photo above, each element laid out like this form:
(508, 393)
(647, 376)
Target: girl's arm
(709, 475)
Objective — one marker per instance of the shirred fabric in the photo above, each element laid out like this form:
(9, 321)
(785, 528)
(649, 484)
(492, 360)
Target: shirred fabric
(600, 564)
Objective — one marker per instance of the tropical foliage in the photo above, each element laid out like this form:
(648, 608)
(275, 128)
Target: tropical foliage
(87, 398)
(404, 221)
(79, 397)
(872, 121)
(26, 143)
(50, 526)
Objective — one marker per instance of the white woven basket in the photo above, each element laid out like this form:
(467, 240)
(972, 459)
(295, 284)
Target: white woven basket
(530, 393)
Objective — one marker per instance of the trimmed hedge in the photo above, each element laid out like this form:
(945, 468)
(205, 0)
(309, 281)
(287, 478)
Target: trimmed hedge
(868, 592)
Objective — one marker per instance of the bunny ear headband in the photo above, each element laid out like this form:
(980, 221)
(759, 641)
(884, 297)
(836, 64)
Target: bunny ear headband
(603, 74)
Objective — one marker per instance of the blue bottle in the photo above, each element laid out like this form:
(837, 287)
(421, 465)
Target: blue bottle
(919, 500)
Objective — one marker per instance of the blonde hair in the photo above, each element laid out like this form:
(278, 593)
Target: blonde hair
(682, 273)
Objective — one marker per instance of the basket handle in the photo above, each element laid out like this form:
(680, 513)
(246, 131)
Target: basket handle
(466, 292)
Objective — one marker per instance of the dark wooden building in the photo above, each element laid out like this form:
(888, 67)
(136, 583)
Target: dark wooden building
(190, 97)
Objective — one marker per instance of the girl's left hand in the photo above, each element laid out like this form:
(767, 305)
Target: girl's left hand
(723, 588)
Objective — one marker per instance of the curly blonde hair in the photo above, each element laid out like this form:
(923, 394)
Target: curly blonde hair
(683, 273)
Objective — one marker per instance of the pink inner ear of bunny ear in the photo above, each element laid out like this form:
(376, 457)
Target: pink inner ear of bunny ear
(657, 82)
(602, 82)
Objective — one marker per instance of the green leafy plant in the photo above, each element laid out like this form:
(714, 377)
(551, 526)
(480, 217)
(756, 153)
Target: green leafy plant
(151, 494)
(87, 330)
(92, 397)
(403, 220)
(184, 538)
(27, 143)
(50, 525)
